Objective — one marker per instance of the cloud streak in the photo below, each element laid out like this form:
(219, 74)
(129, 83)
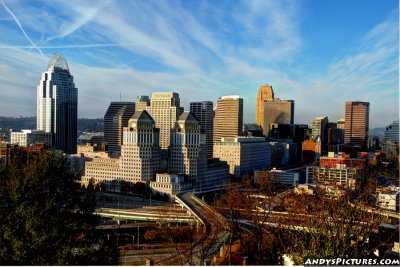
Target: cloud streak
(202, 50)
(22, 29)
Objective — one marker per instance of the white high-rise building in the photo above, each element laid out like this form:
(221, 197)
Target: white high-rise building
(57, 104)
(165, 109)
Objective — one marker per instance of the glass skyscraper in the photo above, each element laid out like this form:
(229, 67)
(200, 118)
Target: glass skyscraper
(57, 104)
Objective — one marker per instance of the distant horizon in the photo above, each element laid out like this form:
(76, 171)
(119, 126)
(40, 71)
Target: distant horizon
(318, 53)
(21, 116)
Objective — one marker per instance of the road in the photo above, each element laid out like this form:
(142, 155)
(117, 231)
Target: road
(216, 232)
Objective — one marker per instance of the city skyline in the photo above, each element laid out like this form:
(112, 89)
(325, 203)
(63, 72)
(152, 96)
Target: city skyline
(218, 52)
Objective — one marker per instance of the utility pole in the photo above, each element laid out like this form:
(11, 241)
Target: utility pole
(138, 237)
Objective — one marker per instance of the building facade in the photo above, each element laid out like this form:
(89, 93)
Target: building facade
(165, 109)
(332, 160)
(392, 133)
(357, 123)
(187, 148)
(142, 102)
(286, 178)
(228, 117)
(203, 112)
(31, 137)
(140, 155)
(57, 104)
(319, 127)
(338, 175)
(115, 119)
(264, 93)
(277, 111)
(243, 154)
(170, 184)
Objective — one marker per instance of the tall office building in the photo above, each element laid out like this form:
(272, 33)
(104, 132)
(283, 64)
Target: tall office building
(203, 111)
(357, 123)
(228, 117)
(187, 149)
(264, 93)
(165, 109)
(319, 127)
(115, 119)
(140, 153)
(277, 111)
(140, 156)
(142, 102)
(57, 104)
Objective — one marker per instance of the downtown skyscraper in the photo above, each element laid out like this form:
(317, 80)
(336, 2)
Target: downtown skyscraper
(57, 104)
(264, 93)
(165, 108)
(203, 111)
(116, 118)
(356, 123)
(228, 117)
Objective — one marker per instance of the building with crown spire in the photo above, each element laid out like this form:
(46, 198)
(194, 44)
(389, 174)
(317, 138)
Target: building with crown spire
(57, 104)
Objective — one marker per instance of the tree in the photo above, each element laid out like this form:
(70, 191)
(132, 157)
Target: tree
(45, 217)
(326, 226)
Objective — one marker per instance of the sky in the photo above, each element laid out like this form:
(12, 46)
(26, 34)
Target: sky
(318, 53)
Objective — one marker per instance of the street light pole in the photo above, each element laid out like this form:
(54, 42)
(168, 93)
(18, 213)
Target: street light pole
(138, 237)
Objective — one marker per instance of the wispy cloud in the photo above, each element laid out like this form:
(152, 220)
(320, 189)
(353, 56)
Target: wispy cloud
(21, 28)
(201, 50)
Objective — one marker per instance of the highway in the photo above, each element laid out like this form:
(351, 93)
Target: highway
(216, 232)
(157, 214)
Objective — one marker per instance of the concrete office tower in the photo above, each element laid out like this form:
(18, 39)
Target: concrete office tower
(115, 119)
(187, 149)
(165, 109)
(357, 123)
(277, 111)
(392, 133)
(243, 154)
(203, 111)
(140, 153)
(319, 127)
(341, 123)
(142, 102)
(57, 104)
(228, 117)
(264, 93)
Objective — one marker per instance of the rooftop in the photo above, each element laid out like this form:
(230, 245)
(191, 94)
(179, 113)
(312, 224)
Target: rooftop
(58, 61)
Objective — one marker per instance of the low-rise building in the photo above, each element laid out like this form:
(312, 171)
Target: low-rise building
(27, 138)
(215, 176)
(287, 178)
(388, 199)
(333, 159)
(169, 184)
(339, 175)
(243, 154)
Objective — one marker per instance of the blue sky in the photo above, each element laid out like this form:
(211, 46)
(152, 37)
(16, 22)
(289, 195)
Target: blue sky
(319, 53)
